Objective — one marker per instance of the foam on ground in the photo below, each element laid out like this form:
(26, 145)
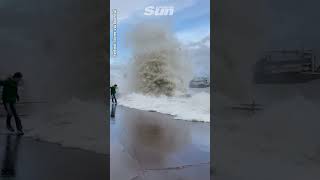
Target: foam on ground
(192, 108)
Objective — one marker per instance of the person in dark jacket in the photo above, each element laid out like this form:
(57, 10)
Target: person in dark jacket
(113, 91)
(9, 98)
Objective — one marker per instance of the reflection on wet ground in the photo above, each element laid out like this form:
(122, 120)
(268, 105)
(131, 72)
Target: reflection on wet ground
(113, 110)
(149, 145)
(23, 158)
(9, 161)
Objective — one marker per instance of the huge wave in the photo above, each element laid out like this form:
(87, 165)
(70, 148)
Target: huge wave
(159, 65)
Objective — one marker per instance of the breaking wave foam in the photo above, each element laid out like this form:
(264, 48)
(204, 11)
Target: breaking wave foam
(192, 108)
(159, 64)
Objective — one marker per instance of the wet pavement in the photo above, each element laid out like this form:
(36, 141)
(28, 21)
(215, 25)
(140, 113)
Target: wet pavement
(153, 146)
(23, 158)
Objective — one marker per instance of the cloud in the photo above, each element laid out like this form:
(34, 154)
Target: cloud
(135, 10)
(199, 53)
(126, 9)
(192, 35)
(204, 42)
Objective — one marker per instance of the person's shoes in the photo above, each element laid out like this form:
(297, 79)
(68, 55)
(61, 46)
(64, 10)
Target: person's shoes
(20, 133)
(10, 129)
(7, 173)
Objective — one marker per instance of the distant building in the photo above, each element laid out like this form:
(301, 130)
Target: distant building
(199, 82)
(287, 66)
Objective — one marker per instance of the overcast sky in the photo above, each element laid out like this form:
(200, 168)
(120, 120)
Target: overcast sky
(190, 21)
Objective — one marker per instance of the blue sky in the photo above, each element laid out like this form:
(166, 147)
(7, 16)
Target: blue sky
(190, 21)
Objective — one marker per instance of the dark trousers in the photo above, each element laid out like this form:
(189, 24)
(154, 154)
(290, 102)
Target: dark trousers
(113, 97)
(11, 111)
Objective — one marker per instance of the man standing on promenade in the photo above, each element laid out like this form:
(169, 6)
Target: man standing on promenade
(9, 98)
(113, 91)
